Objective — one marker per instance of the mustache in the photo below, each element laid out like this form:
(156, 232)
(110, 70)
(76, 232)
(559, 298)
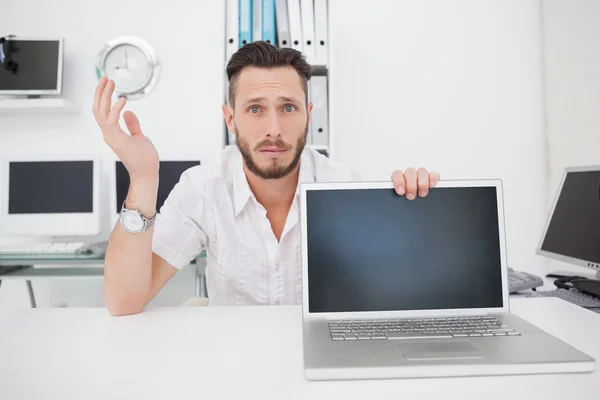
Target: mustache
(270, 143)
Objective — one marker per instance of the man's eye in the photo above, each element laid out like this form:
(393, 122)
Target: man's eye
(254, 109)
(289, 108)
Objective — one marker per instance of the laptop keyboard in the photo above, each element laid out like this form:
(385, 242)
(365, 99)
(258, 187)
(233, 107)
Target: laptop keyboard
(420, 328)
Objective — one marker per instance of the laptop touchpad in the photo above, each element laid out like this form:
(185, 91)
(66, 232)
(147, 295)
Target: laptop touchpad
(439, 350)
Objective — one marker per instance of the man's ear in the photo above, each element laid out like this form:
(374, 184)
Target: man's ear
(228, 115)
(309, 108)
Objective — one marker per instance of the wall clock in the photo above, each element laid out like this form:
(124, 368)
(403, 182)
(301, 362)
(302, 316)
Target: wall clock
(131, 63)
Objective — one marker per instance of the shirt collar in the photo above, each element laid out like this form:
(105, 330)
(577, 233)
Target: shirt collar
(241, 189)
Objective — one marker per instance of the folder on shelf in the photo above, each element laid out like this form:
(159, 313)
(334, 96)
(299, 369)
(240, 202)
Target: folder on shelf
(256, 20)
(268, 21)
(232, 28)
(308, 29)
(321, 32)
(309, 135)
(283, 25)
(230, 138)
(320, 112)
(295, 21)
(245, 22)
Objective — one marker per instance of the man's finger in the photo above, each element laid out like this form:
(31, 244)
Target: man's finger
(434, 178)
(132, 122)
(410, 177)
(115, 112)
(98, 95)
(106, 99)
(399, 184)
(423, 182)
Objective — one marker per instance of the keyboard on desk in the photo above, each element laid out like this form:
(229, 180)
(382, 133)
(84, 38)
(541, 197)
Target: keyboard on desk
(573, 296)
(420, 328)
(41, 248)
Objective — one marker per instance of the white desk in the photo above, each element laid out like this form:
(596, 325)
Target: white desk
(238, 353)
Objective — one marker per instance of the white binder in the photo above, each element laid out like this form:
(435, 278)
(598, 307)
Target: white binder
(309, 135)
(320, 112)
(256, 20)
(295, 21)
(308, 29)
(230, 136)
(283, 25)
(321, 33)
(232, 28)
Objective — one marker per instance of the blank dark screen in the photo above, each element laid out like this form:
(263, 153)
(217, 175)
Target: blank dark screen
(168, 176)
(37, 65)
(373, 250)
(51, 187)
(574, 227)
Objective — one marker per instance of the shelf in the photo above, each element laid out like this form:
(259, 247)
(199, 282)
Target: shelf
(37, 106)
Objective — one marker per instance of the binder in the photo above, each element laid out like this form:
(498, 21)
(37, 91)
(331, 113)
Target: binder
(256, 20)
(320, 112)
(230, 136)
(268, 21)
(295, 22)
(245, 22)
(308, 29)
(283, 25)
(321, 33)
(232, 41)
(309, 136)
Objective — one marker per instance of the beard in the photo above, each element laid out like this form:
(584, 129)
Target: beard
(276, 170)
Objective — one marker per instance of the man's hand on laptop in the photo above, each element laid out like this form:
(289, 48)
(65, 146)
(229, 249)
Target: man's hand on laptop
(414, 182)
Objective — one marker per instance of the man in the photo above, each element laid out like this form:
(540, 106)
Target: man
(243, 211)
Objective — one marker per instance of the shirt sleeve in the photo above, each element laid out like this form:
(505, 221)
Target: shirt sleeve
(178, 233)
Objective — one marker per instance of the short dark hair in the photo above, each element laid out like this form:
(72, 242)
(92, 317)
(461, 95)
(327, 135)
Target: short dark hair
(264, 55)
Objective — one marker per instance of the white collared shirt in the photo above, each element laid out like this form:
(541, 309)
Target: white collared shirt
(212, 208)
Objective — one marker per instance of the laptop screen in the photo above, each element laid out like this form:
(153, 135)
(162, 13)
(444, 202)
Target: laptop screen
(373, 250)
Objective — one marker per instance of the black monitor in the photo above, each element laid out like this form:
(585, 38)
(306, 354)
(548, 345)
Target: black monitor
(572, 232)
(169, 174)
(31, 66)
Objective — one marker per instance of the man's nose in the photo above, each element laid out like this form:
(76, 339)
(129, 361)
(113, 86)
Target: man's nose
(273, 127)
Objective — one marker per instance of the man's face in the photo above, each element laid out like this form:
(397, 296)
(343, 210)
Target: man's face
(270, 120)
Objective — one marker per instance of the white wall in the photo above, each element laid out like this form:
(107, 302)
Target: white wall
(572, 72)
(572, 91)
(453, 86)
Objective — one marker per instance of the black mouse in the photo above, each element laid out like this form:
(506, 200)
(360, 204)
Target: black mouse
(590, 286)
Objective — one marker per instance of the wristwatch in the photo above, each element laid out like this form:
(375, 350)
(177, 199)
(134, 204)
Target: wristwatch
(133, 221)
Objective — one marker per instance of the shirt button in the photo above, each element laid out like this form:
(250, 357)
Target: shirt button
(277, 266)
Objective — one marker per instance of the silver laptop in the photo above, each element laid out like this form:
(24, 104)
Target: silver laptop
(398, 288)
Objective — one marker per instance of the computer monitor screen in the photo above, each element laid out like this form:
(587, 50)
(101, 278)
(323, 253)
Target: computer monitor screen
(51, 197)
(371, 250)
(169, 173)
(31, 66)
(572, 232)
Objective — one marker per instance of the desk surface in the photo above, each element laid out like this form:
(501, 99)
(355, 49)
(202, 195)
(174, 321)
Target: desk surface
(237, 352)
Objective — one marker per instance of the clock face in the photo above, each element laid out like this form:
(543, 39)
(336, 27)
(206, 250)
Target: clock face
(129, 67)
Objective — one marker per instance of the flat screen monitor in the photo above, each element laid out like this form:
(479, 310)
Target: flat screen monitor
(572, 232)
(50, 197)
(170, 171)
(31, 66)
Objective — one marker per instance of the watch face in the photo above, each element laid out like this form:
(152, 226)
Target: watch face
(132, 221)
(129, 67)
